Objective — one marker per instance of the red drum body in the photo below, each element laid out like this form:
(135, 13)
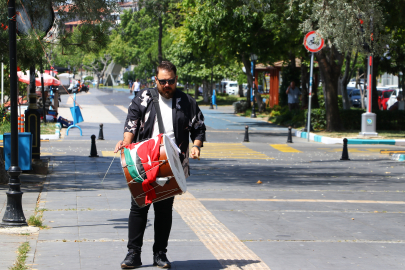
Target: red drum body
(170, 167)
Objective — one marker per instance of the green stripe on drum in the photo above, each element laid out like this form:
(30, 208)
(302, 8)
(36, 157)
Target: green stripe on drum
(131, 166)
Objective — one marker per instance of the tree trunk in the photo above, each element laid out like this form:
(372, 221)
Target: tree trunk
(304, 81)
(240, 90)
(315, 85)
(292, 60)
(98, 81)
(346, 79)
(160, 58)
(330, 62)
(259, 100)
(205, 91)
(343, 82)
(247, 65)
(196, 91)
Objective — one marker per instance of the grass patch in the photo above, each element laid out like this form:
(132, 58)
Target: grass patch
(48, 128)
(22, 256)
(222, 99)
(36, 219)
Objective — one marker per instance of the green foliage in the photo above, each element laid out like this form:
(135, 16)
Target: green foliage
(89, 37)
(339, 23)
(318, 118)
(390, 120)
(129, 75)
(88, 78)
(281, 115)
(22, 256)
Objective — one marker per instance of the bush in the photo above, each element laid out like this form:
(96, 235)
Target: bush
(318, 118)
(88, 78)
(286, 117)
(240, 106)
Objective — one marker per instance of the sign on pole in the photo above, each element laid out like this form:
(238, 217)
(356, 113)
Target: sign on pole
(313, 42)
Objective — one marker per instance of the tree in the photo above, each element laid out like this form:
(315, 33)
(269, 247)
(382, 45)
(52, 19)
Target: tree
(158, 9)
(339, 23)
(99, 65)
(231, 29)
(393, 61)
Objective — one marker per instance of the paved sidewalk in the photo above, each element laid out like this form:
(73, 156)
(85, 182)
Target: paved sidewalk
(9, 242)
(87, 221)
(312, 211)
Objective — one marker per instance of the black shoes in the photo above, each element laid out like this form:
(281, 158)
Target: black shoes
(132, 260)
(160, 260)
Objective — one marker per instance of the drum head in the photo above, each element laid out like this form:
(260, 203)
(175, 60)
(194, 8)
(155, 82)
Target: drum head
(174, 162)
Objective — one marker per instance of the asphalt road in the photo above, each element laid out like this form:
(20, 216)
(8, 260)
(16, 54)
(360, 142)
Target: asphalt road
(310, 210)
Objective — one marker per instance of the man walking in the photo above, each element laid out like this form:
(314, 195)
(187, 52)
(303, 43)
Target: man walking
(293, 93)
(137, 87)
(182, 119)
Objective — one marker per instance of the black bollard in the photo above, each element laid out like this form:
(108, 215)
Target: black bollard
(100, 133)
(345, 153)
(93, 150)
(246, 134)
(289, 139)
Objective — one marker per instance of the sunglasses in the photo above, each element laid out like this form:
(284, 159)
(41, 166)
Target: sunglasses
(170, 81)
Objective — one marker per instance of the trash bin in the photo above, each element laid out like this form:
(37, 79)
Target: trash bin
(24, 150)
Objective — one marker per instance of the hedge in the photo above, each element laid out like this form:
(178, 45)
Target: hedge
(351, 119)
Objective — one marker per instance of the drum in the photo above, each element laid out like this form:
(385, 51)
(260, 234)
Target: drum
(170, 178)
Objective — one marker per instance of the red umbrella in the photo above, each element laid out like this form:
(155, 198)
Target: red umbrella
(48, 79)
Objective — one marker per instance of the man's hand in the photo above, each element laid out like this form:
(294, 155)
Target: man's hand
(120, 145)
(195, 153)
(128, 137)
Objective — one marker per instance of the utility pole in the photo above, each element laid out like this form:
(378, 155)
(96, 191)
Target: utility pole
(14, 215)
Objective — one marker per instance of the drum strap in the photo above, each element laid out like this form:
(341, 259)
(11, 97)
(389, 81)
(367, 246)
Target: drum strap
(155, 98)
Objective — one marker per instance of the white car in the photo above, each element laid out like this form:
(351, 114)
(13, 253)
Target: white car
(229, 87)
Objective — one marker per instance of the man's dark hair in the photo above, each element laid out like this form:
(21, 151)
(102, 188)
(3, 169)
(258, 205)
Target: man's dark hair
(168, 66)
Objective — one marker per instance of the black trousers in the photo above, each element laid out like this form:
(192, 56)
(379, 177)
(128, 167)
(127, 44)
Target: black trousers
(138, 218)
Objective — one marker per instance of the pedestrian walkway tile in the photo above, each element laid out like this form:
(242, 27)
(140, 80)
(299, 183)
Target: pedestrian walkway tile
(285, 148)
(109, 154)
(223, 244)
(230, 151)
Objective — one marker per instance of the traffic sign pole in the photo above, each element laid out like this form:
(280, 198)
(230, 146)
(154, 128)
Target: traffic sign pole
(310, 96)
(313, 42)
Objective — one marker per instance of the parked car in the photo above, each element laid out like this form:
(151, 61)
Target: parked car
(355, 98)
(383, 96)
(393, 98)
(232, 88)
(229, 87)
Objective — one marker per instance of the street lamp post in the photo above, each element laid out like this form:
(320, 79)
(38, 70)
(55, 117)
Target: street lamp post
(253, 58)
(14, 215)
(211, 105)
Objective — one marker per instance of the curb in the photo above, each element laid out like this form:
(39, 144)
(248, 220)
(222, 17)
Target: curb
(398, 157)
(328, 140)
(47, 136)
